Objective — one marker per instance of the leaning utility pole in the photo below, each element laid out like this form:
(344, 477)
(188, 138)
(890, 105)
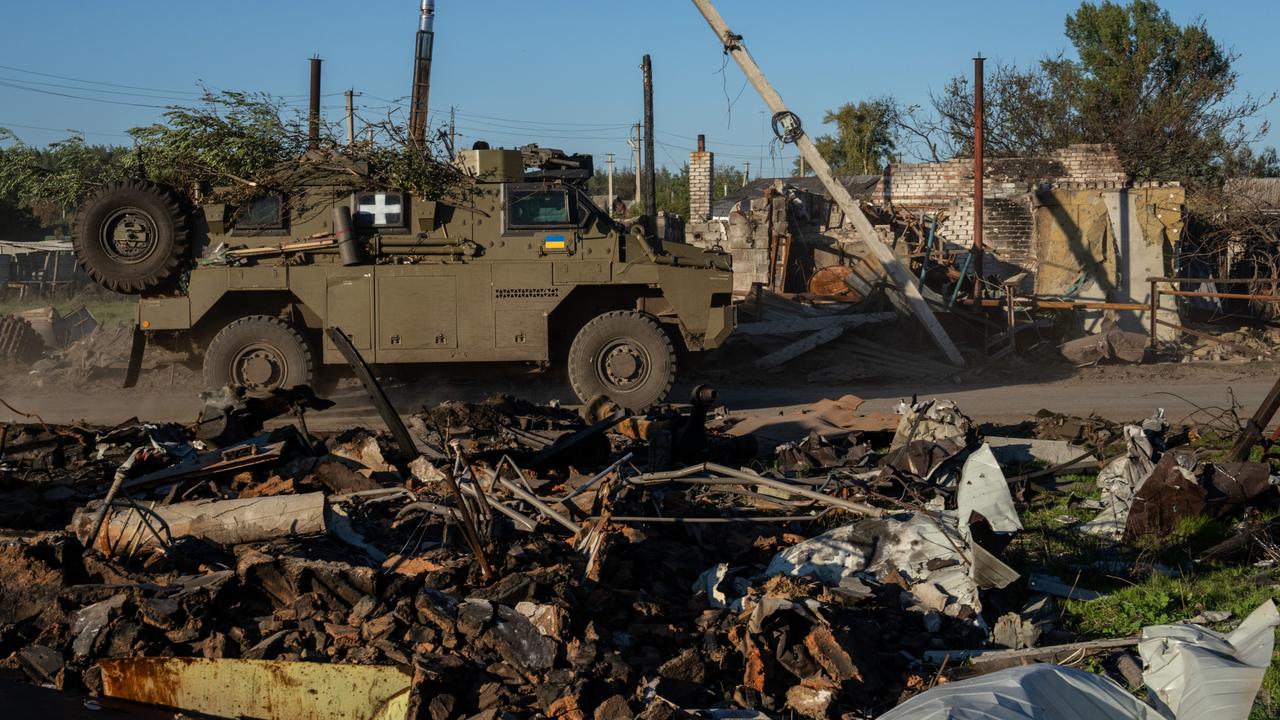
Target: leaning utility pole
(793, 131)
(650, 171)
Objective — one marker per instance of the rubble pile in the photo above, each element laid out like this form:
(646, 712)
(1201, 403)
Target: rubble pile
(515, 560)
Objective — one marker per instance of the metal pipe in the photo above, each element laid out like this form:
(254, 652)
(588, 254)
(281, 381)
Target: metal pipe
(634, 520)
(597, 478)
(650, 176)
(1155, 305)
(522, 521)
(732, 476)
(964, 270)
(1225, 296)
(542, 507)
(1057, 304)
(422, 73)
(348, 246)
(1212, 280)
(313, 118)
(979, 110)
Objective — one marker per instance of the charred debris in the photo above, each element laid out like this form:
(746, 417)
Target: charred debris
(504, 559)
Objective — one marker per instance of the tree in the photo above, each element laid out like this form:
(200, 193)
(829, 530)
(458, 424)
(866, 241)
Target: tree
(1163, 94)
(48, 184)
(864, 141)
(1028, 112)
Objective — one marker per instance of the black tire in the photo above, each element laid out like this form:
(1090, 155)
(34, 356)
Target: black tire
(259, 353)
(624, 355)
(132, 236)
(20, 344)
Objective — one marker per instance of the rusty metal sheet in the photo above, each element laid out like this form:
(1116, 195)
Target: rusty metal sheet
(261, 688)
(1168, 496)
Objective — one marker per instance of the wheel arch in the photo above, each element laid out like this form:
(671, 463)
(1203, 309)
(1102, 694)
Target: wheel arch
(586, 302)
(232, 306)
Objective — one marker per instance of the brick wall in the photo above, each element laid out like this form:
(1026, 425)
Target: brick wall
(1008, 184)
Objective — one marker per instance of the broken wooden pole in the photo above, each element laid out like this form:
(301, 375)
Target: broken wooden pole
(407, 447)
(225, 522)
(1252, 431)
(905, 282)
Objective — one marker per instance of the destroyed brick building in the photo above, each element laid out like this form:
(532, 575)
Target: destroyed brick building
(1069, 225)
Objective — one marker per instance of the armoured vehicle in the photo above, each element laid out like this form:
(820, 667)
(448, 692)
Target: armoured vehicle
(522, 267)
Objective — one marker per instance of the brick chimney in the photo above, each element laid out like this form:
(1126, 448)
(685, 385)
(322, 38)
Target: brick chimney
(701, 180)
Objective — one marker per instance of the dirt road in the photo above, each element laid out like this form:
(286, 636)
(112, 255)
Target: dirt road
(1117, 393)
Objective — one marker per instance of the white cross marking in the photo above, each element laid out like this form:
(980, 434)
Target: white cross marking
(380, 208)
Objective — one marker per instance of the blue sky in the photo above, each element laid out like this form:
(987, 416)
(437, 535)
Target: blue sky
(563, 73)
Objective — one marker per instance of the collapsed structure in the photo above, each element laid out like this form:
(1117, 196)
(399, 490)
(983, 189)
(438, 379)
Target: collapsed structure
(503, 559)
(1072, 226)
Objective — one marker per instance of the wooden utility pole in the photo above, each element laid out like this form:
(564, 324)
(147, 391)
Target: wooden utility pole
(902, 278)
(453, 130)
(746, 172)
(609, 161)
(650, 171)
(635, 145)
(351, 118)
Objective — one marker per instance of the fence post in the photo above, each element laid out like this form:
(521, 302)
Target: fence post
(1155, 305)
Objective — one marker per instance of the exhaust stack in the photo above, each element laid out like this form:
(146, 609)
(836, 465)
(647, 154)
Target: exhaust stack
(422, 73)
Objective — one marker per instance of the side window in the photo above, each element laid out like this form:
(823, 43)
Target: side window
(265, 212)
(532, 209)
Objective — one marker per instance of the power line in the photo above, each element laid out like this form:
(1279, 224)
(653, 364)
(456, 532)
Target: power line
(197, 93)
(123, 93)
(97, 82)
(61, 130)
(81, 97)
(718, 143)
(525, 133)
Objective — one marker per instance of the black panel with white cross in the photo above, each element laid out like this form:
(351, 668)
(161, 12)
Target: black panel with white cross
(381, 209)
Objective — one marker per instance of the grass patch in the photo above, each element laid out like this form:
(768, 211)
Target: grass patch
(105, 310)
(1162, 600)
(1136, 595)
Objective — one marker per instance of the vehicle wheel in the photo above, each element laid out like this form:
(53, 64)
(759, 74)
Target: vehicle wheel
(259, 353)
(625, 355)
(132, 236)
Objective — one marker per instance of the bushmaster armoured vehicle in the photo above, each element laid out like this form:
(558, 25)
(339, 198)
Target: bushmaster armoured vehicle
(521, 267)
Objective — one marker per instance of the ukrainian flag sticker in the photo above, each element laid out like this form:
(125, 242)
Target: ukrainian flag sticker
(554, 242)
